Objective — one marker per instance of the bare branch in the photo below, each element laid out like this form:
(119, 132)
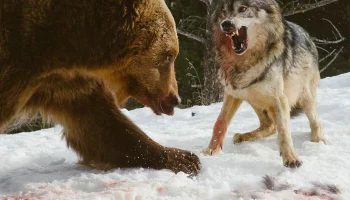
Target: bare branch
(191, 28)
(333, 27)
(330, 62)
(290, 3)
(328, 55)
(191, 36)
(323, 49)
(307, 7)
(336, 41)
(191, 21)
(318, 41)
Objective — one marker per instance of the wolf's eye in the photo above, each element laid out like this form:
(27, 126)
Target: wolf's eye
(242, 9)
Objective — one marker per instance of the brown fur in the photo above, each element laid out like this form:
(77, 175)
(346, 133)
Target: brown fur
(76, 61)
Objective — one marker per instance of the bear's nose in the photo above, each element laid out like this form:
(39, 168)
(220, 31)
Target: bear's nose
(228, 26)
(174, 100)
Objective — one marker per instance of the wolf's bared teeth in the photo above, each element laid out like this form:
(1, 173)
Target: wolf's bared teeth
(237, 33)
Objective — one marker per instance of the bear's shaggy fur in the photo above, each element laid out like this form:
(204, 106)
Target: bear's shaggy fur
(77, 61)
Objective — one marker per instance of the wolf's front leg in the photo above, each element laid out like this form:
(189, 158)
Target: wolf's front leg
(227, 111)
(280, 112)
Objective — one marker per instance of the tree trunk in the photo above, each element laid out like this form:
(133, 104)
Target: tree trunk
(212, 88)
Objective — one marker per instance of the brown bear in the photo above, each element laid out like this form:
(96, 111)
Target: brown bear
(78, 61)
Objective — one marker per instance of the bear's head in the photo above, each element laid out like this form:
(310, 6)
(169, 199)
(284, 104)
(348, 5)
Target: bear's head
(149, 76)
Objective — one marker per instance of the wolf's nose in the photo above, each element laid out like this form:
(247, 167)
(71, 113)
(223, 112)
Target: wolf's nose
(227, 26)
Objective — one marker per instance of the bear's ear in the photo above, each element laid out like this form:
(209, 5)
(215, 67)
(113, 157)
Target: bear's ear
(131, 8)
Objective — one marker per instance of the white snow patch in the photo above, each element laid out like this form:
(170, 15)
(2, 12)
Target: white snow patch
(38, 165)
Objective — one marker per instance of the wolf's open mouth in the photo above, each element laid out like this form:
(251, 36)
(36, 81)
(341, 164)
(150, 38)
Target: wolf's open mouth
(239, 40)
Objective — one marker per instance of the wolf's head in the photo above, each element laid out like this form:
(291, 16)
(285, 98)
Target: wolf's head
(246, 21)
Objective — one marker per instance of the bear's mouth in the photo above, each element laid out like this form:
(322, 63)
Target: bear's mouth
(239, 40)
(162, 107)
(163, 104)
(159, 104)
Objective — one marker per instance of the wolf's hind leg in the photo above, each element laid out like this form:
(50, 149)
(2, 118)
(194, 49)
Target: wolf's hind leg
(267, 128)
(308, 104)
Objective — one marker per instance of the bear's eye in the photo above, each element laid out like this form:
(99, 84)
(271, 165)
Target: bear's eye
(242, 9)
(169, 57)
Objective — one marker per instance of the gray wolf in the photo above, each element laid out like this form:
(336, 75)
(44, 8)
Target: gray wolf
(78, 61)
(268, 62)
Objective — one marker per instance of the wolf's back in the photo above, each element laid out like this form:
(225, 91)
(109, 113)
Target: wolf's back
(298, 46)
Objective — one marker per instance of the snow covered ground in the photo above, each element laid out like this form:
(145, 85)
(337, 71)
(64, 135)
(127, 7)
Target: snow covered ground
(38, 165)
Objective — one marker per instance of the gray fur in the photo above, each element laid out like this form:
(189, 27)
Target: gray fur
(296, 41)
(268, 62)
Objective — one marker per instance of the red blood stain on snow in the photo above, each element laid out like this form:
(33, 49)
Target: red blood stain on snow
(158, 188)
(113, 183)
(117, 183)
(313, 194)
(161, 189)
(31, 195)
(19, 198)
(58, 191)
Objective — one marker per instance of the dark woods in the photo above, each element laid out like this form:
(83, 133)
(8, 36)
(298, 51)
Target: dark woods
(321, 18)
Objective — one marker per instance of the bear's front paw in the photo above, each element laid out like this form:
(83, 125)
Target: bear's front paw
(182, 161)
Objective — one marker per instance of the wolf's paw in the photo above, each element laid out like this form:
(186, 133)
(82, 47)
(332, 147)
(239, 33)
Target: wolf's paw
(290, 159)
(293, 163)
(237, 138)
(318, 139)
(211, 152)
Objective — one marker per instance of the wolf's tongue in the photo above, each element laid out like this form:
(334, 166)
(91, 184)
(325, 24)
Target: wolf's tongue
(236, 39)
(242, 34)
